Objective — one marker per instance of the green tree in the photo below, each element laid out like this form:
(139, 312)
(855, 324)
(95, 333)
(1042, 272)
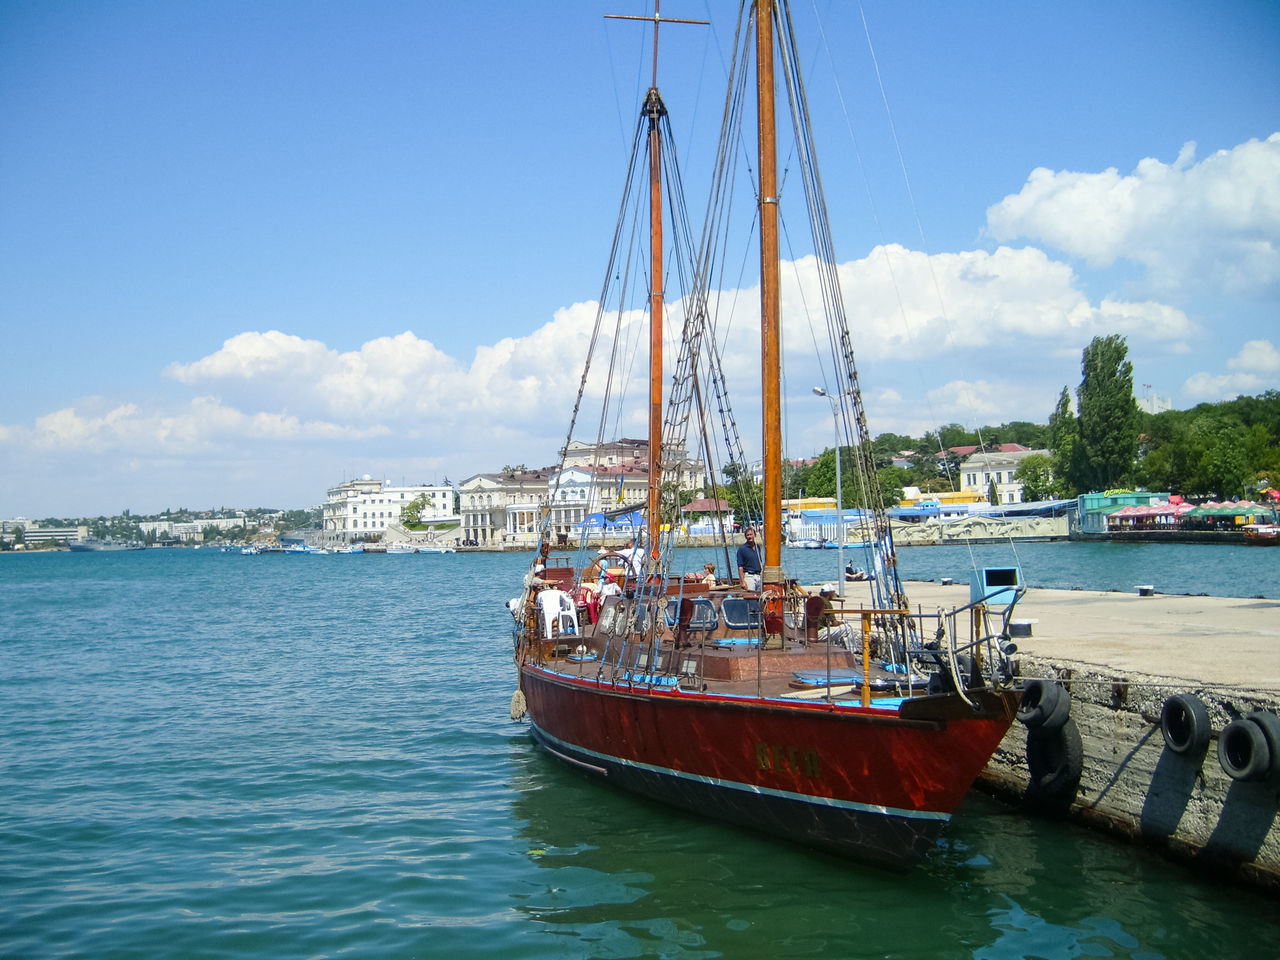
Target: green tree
(1035, 473)
(1034, 435)
(1219, 466)
(1108, 416)
(892, 480)
(411, 515)
(744, 499)
(887, 446)
(1063, 439)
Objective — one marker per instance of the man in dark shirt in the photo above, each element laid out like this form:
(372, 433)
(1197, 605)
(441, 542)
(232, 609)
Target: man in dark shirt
(749, 562)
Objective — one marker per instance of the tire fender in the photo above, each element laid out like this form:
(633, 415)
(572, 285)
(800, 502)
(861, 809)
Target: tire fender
(1270, 725)
(1055, 760)
(1045, 706)
(1185, 726)
(1243, 750)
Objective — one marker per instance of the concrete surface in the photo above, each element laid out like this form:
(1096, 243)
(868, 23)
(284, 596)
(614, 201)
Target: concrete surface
(1207, 641)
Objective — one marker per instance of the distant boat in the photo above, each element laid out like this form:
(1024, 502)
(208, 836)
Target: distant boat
(401, 548)
(94, 545)
(1262, 534)
(813, 543)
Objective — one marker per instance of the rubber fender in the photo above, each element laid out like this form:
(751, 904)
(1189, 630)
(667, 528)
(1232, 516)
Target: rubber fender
(1055, 760)
(1243, 750)
(1045, 705)
(1184, 723)
(1270, 725)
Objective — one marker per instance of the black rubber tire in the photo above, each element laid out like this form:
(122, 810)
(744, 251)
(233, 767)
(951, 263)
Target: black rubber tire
(1243, 750)
(1270, 726)
(1184, 723)
(1055, 760)
(1045, 706)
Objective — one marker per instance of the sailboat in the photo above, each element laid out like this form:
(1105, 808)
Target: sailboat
(856, 730)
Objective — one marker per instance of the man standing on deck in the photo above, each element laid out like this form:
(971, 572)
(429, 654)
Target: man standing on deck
(750, 563)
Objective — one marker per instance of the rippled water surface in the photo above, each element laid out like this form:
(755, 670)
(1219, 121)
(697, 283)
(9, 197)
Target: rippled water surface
(203, 754)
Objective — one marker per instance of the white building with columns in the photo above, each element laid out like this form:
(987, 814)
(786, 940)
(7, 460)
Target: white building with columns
(364, 508)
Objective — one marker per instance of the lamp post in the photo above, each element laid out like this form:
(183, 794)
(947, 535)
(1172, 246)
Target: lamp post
(835, 419)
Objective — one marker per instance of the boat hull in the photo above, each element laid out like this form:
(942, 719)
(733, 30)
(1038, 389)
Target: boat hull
(872, 784)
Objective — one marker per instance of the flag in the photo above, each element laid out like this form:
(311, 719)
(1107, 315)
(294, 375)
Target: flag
(619, 488)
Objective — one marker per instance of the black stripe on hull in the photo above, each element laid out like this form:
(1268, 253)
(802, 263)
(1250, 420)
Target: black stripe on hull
(870, 835)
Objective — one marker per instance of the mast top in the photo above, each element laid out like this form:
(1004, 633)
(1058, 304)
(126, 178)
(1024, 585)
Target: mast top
(657, 19)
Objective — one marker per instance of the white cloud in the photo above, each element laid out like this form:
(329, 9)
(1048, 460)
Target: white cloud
(1214, 224)
(1225, 386)
(1258, 355)
(202, 425)
(1256, 366)
(249, 355)
(904, 300)
(516, 393)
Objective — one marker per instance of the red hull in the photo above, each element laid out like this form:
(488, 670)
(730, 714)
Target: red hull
(866, 782)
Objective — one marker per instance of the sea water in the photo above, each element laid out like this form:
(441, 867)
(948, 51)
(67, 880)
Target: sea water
(211, 755)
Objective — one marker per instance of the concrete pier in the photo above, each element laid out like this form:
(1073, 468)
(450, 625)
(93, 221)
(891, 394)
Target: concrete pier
(1121, 656)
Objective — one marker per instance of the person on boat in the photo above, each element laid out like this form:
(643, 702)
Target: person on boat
(750, 564)
(609, 588)
(588, 598)
(634, 556)
(709, 574)
(830, 627)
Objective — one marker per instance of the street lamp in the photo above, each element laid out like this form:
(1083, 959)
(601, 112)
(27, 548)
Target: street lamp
(835, 419)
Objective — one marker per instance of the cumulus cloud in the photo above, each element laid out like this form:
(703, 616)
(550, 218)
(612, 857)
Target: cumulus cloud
(1212, 224)
(202, 424)
(904, 300)
(275, 386)
(1257, 355)
(1254, 369)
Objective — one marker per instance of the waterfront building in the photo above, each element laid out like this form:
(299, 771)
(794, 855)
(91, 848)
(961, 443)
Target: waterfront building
(192, 530)
(502, 507)
(981, 469)
(1094, 508)
(33, 532)
(632, 456)
(364, 508)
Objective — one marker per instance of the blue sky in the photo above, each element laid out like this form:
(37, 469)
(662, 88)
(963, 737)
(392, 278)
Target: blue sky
(248, 250)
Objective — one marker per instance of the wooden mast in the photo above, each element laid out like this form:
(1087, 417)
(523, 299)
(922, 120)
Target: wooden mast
(770, 339)
(654, 109)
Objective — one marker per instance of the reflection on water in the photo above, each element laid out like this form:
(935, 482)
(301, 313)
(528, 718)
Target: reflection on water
(627, 877)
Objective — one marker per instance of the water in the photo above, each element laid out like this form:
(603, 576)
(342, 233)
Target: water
(204, 755)
(1217, 569)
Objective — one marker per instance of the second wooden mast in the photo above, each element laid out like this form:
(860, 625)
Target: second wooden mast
(770, 338)
(654, 109)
